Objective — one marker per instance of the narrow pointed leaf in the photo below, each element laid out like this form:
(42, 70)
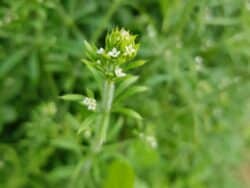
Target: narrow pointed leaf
(129, 112)
(86, 124)
(88, 46)
(72, 97)
(131, 91)
(125, 84)
(135, 64)
(90, 93)
(12, 61)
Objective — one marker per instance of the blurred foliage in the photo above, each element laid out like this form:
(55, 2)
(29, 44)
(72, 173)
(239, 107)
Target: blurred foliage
(198, 105)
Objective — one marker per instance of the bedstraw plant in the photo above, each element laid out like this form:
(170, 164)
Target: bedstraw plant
(110, 65)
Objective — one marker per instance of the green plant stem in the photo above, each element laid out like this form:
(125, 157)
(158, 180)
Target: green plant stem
(108, 94)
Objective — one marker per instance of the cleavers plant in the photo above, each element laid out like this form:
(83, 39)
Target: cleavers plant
(109, 65)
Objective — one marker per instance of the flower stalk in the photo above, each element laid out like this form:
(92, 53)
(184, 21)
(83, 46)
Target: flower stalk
(108, 95)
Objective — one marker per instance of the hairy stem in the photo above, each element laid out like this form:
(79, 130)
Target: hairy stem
(107, 99)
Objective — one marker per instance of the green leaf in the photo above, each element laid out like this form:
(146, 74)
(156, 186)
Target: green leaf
(90, 50)
(66, 143)
(125, 84)
(93, 71)
(90, 93)
(135, 64)
(88, 46)
(87, 63)
(72, 97)
(61, 172)
(131, 91)
(120, 175)
(11, 62)
(129, 112)
(114, 132)
(86, 124)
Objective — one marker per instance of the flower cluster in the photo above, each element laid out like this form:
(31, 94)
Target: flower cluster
(199, 63)
(150, 140)
(119, 72)
(90, 103)
(120, 48)
(120, 44)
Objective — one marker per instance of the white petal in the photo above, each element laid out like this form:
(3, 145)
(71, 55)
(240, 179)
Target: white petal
(100, 51)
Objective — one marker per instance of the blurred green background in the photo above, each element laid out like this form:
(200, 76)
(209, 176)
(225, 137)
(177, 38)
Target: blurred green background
(197, 108)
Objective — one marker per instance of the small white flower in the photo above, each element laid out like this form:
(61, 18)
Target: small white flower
(100, 51)
(198, 59)
(151, 140)
(125, 34)
(86, 101)
(114, 53)
(199, 62)
(148, 139)
(119, 72)
(87, 133)
(129, 50)
(90, 103)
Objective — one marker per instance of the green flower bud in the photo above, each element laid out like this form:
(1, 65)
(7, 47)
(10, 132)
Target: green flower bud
(120, 44)
(112, 58)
